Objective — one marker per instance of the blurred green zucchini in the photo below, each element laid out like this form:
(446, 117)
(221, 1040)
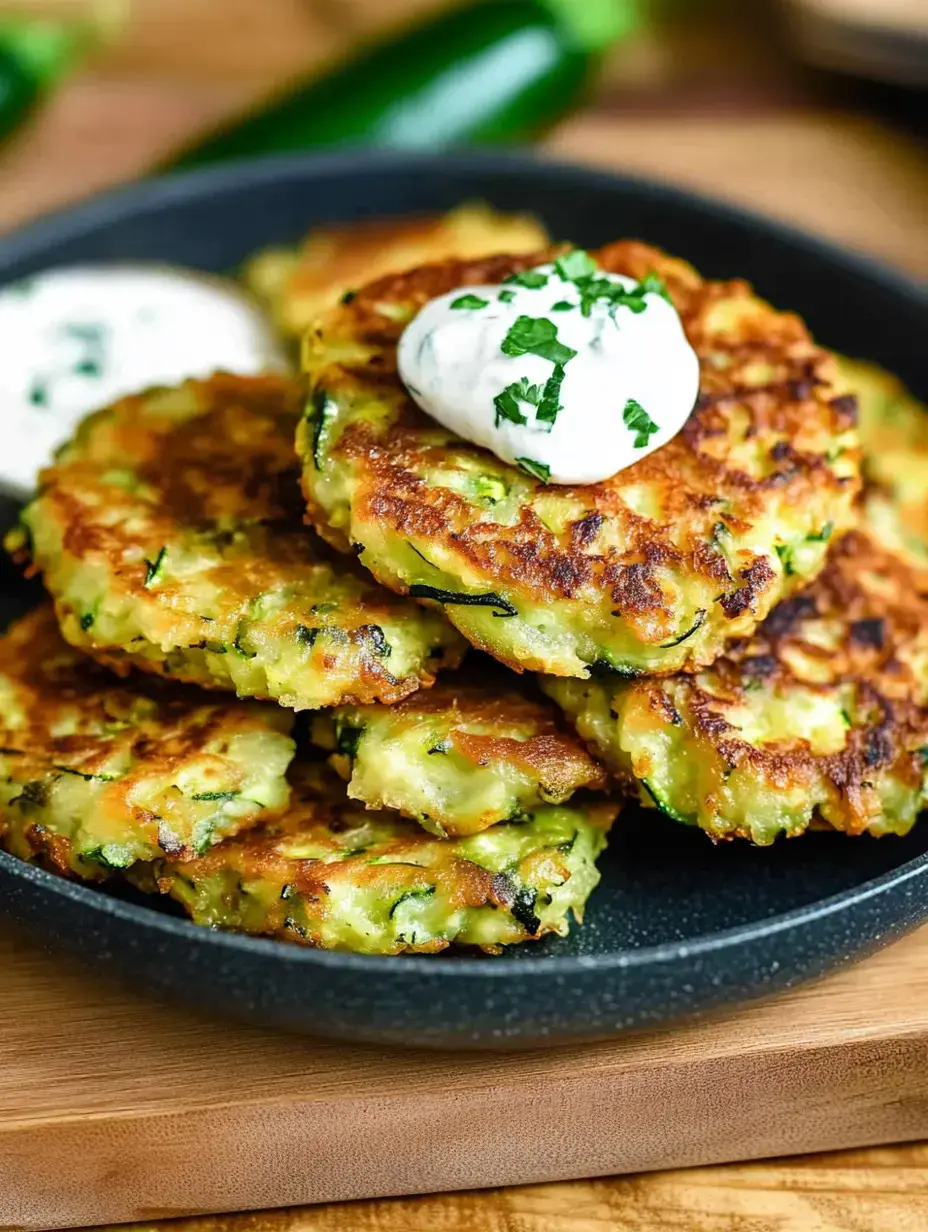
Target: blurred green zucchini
(34, 57)
(497, 70)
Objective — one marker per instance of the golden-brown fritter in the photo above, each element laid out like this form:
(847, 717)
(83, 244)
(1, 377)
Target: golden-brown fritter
(335, 875)
(97, 773)
(821, 717)
(460, 757)
(893, 428)
(169, 534)
(297, 284)
(651, 571)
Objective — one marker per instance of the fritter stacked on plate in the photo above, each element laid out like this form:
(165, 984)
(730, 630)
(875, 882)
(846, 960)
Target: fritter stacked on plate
(821, 718)
(297, 284)
(653, 570)
(96, 774)
(169, 534)
(784, 625)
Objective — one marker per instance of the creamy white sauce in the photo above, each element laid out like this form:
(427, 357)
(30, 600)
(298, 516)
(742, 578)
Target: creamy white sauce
(627, 389)
(72, 340)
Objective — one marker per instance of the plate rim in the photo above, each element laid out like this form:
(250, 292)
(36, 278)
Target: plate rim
(91, 213)
(461, 965)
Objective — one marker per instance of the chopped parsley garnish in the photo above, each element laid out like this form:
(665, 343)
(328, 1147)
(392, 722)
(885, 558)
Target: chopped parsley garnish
(533, 336)
(637, 420)
(550, 405)
(574, 265)
(533, 279)
(536, 336)
(562, 305)
(507, 407)
(469, 301)
(38, 394)
(579, 268)
(652, 285)
(91, 336)
(507, 403)
(537, 470)
(506, 297)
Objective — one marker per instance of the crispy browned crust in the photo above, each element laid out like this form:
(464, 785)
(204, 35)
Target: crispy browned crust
(306, 879)
(553, 754)
(72, 717)
(862, 627)
(213, 480)
(753, 446)
(318, 812)
(333, 260)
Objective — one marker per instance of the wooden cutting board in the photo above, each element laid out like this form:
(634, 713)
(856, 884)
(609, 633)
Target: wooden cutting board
(116, 1108)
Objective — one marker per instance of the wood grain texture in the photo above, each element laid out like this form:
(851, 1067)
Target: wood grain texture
(114, 1109)
(860, 1191)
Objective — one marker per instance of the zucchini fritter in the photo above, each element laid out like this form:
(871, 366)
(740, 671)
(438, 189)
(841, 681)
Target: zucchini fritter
(459, 757)
(653, 570)
(821, 717)
(96, 773)
(335, 875)
(297, 284)
(169, 534)
(893, 429)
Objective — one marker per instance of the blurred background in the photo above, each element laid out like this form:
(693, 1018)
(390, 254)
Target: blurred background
(811, 110)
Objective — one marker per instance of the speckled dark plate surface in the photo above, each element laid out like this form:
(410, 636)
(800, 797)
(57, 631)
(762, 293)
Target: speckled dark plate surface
(676, 926)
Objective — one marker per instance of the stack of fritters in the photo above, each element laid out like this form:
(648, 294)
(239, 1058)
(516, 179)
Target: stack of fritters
(736, 637)
(169, 534)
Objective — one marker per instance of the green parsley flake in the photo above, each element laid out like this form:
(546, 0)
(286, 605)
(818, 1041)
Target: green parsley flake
(533, 279)
(506, 297)
(537, 470)
(562, 305)
(637, 420)
(507, 403)
(651, 284)
(536, 336)
(579, 268)
(575, 265)
(469, 301)
(550, 405)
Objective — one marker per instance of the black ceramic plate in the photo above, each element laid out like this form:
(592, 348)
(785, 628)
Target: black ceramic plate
(677, 925)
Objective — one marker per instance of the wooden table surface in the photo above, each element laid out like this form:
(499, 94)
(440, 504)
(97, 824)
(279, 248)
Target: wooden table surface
(716, 110)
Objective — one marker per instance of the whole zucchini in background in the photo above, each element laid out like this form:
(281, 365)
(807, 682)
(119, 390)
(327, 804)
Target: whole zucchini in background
(497, 70)
(34, 56)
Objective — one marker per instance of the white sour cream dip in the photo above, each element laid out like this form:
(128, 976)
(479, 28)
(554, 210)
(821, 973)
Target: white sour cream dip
(568, 372)
(74, 339)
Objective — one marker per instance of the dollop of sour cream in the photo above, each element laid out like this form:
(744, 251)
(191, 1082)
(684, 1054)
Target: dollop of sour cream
(74, 339)
(564, 370)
